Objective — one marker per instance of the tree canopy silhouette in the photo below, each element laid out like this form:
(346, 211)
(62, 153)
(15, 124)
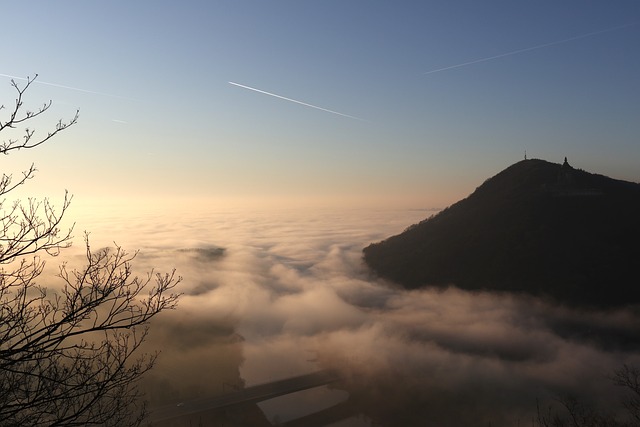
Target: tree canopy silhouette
(68, 352)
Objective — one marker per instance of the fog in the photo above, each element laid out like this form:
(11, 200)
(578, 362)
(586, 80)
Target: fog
(269, 294)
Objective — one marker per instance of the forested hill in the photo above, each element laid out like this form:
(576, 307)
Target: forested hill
(536, 227)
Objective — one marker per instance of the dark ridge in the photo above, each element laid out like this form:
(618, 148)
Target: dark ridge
(209, 253)
(537, 227)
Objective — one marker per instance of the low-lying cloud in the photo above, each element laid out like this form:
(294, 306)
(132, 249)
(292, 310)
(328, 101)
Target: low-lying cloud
(274, 294)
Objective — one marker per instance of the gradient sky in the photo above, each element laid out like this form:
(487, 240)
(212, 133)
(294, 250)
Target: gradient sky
(159, 118)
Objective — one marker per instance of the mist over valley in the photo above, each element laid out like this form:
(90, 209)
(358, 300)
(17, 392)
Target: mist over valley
(275, 293)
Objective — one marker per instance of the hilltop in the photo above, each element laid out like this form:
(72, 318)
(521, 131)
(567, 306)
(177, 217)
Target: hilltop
(537, 227)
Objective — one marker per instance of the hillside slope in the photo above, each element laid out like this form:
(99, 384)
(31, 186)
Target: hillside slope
(536, 227)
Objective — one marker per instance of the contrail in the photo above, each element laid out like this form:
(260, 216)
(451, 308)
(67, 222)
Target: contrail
(68, 87)
(527, 49)
(297, 102)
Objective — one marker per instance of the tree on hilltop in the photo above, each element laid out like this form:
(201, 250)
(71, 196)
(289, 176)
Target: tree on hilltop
(68, 353)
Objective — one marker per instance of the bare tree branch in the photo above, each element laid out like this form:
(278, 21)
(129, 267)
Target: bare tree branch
(18, 117)
(68, 357)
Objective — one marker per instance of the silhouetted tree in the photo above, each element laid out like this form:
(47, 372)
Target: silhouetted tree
(577, 414)
(68, 353)
(629, 378)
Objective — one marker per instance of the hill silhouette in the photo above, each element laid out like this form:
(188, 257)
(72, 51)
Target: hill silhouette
(537, 227)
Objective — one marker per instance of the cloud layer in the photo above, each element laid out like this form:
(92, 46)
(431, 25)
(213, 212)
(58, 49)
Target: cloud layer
(271, 294)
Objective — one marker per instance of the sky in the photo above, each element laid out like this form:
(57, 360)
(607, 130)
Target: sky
(410, 103)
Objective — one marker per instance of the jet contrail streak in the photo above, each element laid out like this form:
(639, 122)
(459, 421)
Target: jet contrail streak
(297, 102)
(527, 49)
(68, 87)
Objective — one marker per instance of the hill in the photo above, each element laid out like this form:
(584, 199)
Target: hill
(537, 227)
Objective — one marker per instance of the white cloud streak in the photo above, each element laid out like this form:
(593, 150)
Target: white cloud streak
(296, 101)
(527, 49)
(77, 89)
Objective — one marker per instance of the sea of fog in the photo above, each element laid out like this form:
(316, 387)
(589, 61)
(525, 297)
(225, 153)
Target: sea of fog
(273, 293)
